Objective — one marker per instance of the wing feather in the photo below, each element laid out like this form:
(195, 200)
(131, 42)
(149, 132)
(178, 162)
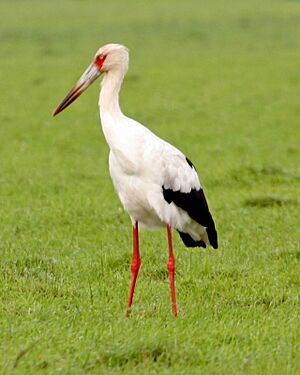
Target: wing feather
(181, 186)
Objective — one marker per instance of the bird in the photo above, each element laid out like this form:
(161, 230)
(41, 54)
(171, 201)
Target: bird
(156, 183)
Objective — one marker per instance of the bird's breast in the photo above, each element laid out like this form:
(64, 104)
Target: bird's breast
(133, 187)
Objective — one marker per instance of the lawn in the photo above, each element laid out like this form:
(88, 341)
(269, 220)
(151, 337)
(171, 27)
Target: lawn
(218, 79)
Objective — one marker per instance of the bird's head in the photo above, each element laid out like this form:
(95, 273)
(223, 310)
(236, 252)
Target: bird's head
(113, 56)
(109, 58)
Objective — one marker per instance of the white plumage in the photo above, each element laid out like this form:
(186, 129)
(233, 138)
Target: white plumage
(141, 163)
(155, 182)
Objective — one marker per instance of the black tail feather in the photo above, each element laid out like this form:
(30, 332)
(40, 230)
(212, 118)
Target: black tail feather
(195, 204)
(189, 242)
(212, 235)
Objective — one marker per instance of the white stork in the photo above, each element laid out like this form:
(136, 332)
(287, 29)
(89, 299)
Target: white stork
(156, 183)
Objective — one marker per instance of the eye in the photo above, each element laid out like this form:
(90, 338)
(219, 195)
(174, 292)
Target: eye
(99, 60)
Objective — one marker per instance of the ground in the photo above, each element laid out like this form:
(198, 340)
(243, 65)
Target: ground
(220, 80)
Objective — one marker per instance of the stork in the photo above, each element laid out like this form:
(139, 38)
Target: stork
(156, 183)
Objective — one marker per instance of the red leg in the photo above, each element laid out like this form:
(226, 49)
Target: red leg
(171, 269)
(135, 264)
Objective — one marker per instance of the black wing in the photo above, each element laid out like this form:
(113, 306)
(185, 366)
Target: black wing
(195, 204)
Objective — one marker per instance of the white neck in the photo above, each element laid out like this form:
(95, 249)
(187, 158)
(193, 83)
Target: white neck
(110, 112)
(109, 95)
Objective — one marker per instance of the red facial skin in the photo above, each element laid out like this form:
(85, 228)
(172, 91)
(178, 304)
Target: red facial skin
(99, 60)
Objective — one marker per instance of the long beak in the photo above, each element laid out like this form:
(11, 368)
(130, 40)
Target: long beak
(88, 77)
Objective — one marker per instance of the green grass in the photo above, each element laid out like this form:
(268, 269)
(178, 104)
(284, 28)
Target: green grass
(220, 80)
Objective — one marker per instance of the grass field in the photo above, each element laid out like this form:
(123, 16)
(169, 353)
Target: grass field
(218, 79)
